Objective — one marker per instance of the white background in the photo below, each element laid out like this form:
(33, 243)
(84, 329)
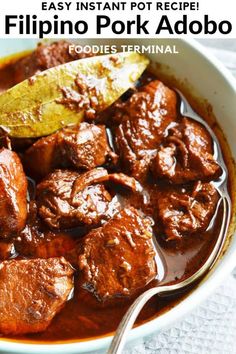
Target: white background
(215, 9)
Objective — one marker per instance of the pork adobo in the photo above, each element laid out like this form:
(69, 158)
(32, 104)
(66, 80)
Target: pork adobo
(186, 154)
(72, 147)
(144, 119)
(187, 212)
(117, 259)
(68, 199)
(101, 210)
(13, 193)
(32, 291)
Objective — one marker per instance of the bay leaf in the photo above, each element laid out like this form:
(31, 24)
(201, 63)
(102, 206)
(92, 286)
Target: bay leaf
(64, 94)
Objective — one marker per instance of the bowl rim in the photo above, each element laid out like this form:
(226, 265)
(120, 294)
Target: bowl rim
(166, 319)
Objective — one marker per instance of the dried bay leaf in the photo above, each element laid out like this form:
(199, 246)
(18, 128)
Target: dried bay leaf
(64, 94)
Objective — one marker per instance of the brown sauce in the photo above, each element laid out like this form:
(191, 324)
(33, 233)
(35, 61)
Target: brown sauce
(81, 319)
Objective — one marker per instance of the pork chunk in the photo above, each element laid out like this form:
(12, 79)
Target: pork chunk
(185, 213)
(32, 292)
(13, 193)
(68, 199)
(144, 120)
(86, 146)
(83, 147)
(34, 241)
(117, 259)
(187, 155)
(45, 57)
(42, 157)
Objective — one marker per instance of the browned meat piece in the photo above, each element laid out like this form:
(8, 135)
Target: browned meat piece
(187, 213)
(32, 292)
(86, 146)
(68, 199)
(36, 242)
(41, 158)
(13, 192)
(187, 155)
(83, 147)
(144, 120)
(117, 259)
(45, 57)
(59, 245)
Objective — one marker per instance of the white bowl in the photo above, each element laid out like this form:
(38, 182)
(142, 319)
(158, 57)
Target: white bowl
(211, 81)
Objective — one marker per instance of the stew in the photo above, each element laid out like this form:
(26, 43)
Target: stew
(94, 214)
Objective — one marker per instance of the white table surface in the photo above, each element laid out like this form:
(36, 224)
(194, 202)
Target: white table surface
(211, 328)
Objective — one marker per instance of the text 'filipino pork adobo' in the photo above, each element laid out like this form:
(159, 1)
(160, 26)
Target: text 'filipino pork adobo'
(97, 212)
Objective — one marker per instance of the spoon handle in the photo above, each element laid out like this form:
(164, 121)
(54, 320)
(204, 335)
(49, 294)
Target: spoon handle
(129, 318)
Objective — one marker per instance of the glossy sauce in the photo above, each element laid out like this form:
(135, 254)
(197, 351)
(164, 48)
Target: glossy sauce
(84, 317)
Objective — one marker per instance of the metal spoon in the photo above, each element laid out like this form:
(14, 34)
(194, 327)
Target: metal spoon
(128, 320)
